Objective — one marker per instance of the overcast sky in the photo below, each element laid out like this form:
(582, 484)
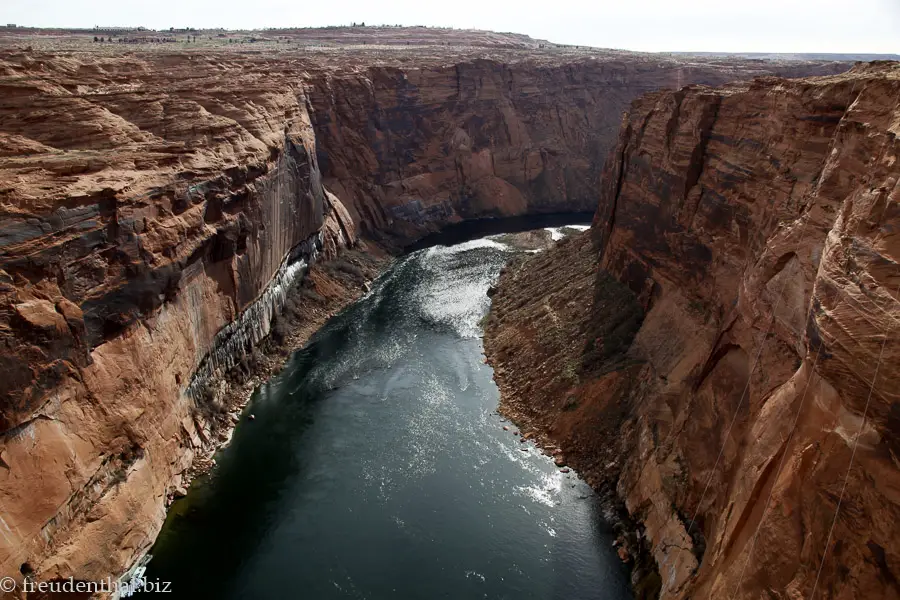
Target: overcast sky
(650, 25)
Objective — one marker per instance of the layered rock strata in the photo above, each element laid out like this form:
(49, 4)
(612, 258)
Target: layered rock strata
(754, 229)
(412, 149)
(156, 205)
(141, 224)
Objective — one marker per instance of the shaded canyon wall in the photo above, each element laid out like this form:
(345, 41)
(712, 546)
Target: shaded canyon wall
(412, 149)
(155, 206)
(745, 297)
(127, 246)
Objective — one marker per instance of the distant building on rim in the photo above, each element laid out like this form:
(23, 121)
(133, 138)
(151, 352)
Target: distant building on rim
(11, 25)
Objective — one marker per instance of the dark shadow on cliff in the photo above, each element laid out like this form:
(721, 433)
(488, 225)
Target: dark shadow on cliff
(616, 317)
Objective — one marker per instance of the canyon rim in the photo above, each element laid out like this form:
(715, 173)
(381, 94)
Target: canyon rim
(161, 205)
(728, 328)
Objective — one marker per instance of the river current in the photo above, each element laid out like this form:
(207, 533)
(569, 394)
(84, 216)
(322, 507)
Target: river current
(377, 468)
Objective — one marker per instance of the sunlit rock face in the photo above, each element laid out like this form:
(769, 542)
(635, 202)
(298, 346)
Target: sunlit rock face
(171, 210)
(156, 205)
(754, 226)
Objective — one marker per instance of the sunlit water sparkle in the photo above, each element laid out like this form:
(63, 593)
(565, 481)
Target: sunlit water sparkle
(377, 468)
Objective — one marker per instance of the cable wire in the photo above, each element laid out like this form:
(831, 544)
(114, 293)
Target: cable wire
(778, 471)
(850, 466)
(737, 410)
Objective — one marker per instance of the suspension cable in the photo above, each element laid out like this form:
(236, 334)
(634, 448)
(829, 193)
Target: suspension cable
(788, 440)
(778, 471)
(852, 457)
(737, 410)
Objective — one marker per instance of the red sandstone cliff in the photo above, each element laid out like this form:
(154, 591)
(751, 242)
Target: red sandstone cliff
(753, 228)
(151, 203)
(412, 149)
(140, 216)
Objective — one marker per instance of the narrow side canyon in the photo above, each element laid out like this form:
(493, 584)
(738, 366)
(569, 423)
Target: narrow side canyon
(157, 205)
(721, 349)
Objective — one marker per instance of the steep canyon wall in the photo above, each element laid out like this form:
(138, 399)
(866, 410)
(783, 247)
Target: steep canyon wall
(137, 224)
(155, 206)
(747, 241)
(412, 149)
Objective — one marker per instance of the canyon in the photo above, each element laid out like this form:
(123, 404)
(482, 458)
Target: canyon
(720, 350)
(159, 204)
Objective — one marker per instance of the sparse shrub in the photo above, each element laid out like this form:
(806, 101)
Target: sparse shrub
(206, 393)
(311, 294)
(348, 267)
(206, 407)
(280, 329)
(570, 371)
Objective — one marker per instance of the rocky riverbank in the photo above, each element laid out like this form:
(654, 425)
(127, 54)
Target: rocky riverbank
(157, 200)
(535, 337)
(327, 288)
(719, 349)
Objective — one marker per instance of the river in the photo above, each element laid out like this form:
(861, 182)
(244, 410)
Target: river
(377, 468)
